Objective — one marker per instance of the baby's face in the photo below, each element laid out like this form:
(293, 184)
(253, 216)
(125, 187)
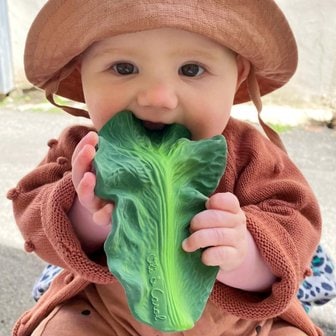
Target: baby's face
(163, 76)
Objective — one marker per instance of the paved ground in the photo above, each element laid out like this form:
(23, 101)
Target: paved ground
(23, 142)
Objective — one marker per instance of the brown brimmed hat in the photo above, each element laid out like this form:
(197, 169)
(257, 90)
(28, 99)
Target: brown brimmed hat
(255, 29)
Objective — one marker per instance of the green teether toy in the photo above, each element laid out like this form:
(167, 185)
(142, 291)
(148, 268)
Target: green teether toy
(158, 181)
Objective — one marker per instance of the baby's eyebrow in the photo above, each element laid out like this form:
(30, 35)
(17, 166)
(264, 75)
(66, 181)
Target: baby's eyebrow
(208, 55)
(109, 50)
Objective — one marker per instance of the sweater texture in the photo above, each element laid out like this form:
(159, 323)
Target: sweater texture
(281, 211)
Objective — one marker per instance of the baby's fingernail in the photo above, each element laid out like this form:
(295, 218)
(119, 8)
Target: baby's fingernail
(184, 245)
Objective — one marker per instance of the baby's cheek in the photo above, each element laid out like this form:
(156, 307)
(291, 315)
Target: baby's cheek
(100, 115)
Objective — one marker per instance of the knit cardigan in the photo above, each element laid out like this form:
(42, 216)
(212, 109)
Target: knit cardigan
(281, 211)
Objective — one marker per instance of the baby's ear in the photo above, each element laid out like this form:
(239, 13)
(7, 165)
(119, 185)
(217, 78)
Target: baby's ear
(243, 66)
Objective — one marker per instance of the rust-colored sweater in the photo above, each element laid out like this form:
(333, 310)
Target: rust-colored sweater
(281, 210)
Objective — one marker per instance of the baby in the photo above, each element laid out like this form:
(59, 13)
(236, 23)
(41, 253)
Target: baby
(168, 62)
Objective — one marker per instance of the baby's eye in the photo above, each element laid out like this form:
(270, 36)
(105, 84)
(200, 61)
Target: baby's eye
(125, 68)
(191, 70)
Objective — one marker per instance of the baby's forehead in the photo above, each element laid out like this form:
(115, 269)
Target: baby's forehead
(172, 40)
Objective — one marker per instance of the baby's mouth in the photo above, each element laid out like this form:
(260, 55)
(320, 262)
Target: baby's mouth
(153, 126)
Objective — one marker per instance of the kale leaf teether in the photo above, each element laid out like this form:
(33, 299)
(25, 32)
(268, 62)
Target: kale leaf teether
(158, 181)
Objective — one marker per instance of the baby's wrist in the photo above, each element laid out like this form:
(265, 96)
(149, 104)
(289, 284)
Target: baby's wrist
(253, 274)
(90, 235)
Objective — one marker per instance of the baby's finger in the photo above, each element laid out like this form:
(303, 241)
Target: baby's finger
(85, 192)
(103, 216)
(227, 257)
(223, 201)
(82, 164)
(211, 237)
(216, 219)
(89, 139)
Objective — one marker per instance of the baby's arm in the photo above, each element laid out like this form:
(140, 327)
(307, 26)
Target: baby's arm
(90, 216)
(221, 229)
(42, 201)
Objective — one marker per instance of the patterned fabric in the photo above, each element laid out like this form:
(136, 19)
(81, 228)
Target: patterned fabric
(44, 281)
(317, 289)
(320, 287)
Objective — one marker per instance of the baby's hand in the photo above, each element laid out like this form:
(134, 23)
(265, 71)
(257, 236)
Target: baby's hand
(221, 230)
(84, 180)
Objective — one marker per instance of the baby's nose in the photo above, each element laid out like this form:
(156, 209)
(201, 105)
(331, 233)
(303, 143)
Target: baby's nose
(159, 96)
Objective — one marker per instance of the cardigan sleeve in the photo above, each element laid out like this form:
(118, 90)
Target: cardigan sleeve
(41, 201)
(282, 215)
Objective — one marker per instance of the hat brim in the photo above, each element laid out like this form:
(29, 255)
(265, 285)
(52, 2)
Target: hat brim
(255, 29)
